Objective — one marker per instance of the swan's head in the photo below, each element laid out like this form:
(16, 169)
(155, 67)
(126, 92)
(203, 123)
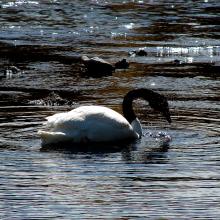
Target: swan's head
(156, 101)
(159, 103)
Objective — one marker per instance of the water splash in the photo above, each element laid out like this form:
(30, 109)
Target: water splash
(160, 137)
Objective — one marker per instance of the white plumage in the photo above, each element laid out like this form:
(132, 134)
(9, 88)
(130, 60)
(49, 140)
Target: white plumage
(89, 124)
(92, 124)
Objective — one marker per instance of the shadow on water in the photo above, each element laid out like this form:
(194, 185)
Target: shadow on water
(147, 155)
(69, 147)
(131, 151)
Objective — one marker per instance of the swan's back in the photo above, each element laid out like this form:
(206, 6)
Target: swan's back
(87, 124)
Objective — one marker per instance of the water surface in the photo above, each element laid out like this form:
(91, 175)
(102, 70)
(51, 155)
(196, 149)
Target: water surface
(41, 43)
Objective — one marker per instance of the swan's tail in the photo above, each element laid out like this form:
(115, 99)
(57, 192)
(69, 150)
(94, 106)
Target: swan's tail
(50, 137)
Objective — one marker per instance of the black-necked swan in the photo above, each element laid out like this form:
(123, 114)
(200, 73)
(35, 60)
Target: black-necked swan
(95, 124)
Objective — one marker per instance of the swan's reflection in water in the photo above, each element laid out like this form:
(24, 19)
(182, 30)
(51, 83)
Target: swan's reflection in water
(146, 155)
(149, 149)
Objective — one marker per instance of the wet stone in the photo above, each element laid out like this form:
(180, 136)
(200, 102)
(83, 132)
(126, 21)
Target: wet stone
(97, 66)
(122, 64)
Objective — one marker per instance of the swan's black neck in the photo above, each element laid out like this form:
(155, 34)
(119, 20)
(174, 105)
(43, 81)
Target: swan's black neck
(146, 94)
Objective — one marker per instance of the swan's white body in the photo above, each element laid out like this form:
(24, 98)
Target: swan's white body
(89, 124)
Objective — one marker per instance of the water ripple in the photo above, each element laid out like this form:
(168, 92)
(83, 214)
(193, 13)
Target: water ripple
(43, 41)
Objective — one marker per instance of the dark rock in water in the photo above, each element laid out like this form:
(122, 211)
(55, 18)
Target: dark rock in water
(122, 64)
(139, 52)
(97, 66)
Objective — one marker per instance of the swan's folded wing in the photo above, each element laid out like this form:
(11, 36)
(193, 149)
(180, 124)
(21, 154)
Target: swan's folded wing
(62, 121)
(90, 123)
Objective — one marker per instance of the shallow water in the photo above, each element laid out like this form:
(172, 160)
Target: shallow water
(44, 40)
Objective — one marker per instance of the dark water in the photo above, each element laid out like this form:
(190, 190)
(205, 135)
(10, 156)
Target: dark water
(40, 74)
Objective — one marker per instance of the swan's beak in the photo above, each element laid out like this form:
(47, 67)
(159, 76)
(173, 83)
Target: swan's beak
(166, 114)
